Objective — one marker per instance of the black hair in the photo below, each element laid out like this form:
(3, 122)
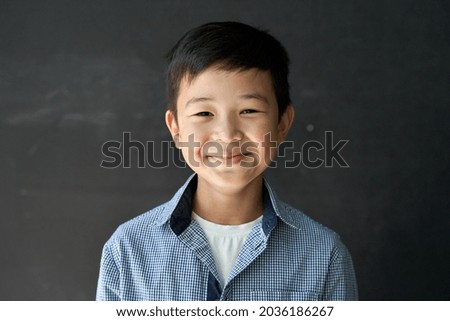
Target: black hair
(230, 46)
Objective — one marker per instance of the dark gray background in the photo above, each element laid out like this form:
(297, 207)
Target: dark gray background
(75, 74)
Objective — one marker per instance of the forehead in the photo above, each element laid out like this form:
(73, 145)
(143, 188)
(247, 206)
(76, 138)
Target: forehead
(225, 84)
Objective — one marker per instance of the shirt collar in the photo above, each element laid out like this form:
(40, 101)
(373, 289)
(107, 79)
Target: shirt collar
(178, 210)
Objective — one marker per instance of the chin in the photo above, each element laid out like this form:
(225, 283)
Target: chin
(231, 178)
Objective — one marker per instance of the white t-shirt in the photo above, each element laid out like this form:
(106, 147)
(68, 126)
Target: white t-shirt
(226, 242)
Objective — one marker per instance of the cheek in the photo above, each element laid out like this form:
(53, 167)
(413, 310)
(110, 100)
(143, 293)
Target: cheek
(191, 142)
(268, 144)
(191, 137)
(266, 136)
(188, 130)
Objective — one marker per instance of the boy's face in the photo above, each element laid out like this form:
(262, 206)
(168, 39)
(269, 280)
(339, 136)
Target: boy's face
(227, 125)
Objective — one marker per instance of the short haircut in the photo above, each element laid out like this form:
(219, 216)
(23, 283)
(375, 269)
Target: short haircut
(230, 46)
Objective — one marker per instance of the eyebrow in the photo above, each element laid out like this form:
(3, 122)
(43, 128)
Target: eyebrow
(255, 96)
(194, 100)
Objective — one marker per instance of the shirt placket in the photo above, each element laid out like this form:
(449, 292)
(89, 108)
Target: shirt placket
(195, 240)
(255, 244)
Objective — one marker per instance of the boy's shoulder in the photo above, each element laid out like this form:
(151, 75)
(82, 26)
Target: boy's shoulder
(301, 224)
(144, 222)
(154, 217)
(305, 226)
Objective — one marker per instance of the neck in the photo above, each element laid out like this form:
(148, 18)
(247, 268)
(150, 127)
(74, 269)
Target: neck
(229, 208)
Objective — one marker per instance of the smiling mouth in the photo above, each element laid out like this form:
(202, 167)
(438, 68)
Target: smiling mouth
(233, 158)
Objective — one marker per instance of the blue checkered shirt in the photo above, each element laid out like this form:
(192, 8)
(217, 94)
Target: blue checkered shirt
(164, 255)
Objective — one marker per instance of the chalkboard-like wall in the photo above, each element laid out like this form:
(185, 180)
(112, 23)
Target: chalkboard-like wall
(74, 75)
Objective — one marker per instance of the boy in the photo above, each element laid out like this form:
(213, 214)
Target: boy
(225, 235)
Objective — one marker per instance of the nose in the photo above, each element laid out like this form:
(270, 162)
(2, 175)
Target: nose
(228, 129)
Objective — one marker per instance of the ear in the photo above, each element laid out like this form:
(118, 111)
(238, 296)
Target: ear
(285, 123)
(172, 125)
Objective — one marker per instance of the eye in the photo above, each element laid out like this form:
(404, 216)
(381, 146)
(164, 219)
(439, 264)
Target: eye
(249, 111)
(203, 114)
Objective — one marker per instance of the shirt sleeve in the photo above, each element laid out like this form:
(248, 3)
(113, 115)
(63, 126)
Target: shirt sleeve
(108, 287)
(340, 284)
